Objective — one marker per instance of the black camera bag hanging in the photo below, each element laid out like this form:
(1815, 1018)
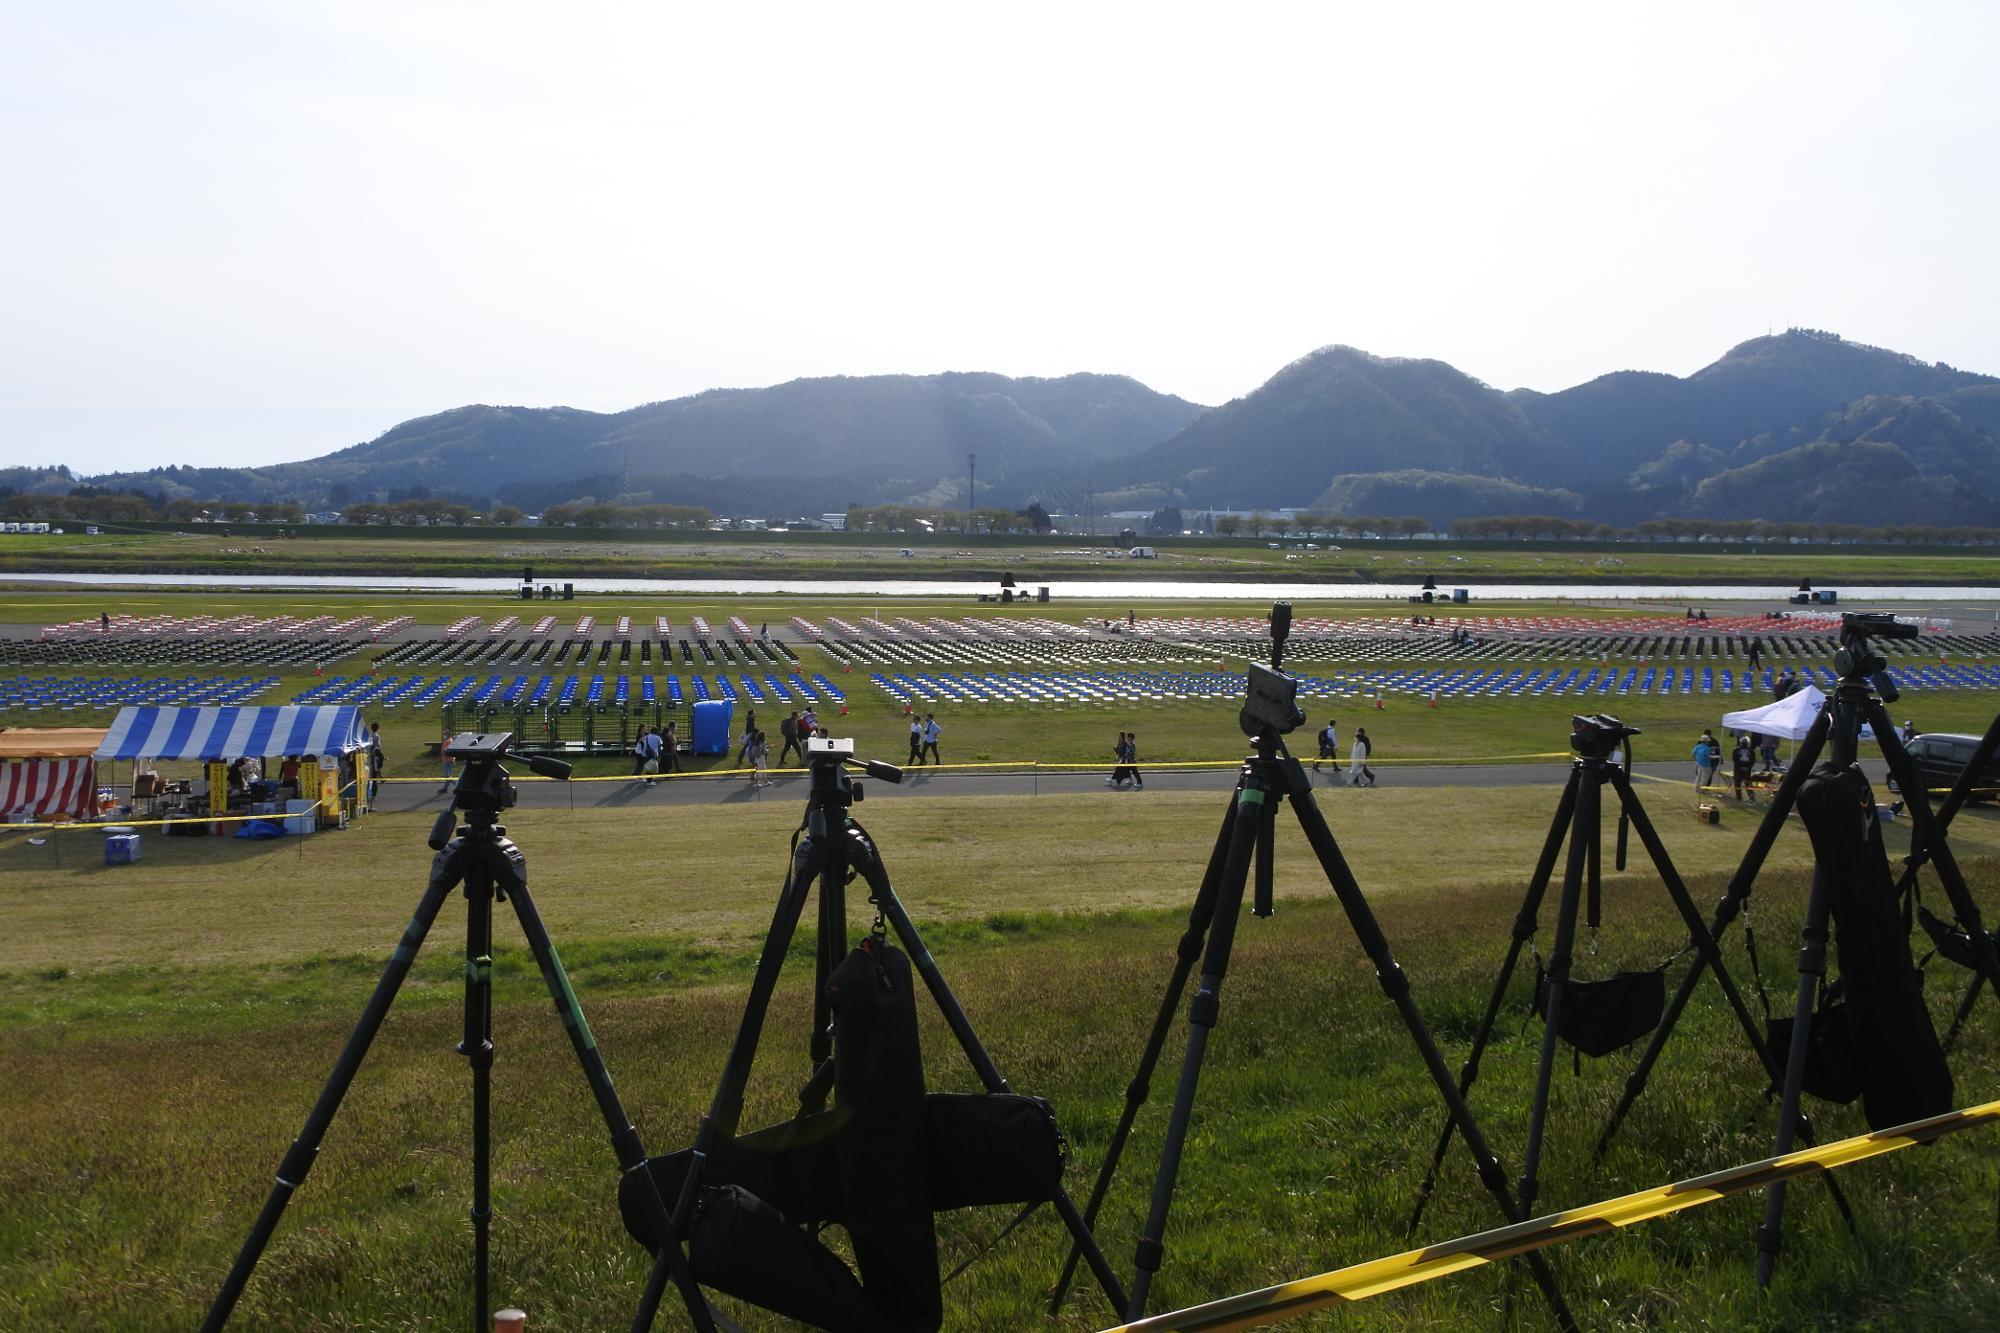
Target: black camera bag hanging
(1898, 1060)
(1599, 1017)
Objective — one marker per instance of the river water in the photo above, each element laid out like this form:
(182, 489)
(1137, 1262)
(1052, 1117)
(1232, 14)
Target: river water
(1115, 590)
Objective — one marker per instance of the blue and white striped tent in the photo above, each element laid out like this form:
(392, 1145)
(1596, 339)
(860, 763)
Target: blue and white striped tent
(232, 733)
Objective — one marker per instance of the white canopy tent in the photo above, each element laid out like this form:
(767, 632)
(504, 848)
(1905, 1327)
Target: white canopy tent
(1789, 718)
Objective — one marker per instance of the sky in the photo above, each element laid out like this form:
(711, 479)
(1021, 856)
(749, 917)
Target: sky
(241, 233)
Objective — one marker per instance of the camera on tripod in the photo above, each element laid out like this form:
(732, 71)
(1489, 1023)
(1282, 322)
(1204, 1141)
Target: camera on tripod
(1597, 735)
(1855, 660)
(829, 758)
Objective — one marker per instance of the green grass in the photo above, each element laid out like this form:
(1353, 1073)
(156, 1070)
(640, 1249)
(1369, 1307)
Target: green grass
(485, 552)
(165, 1027)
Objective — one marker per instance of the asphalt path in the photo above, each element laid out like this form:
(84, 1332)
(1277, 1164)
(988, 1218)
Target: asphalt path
(788, 785)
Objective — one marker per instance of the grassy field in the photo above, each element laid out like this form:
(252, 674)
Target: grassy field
(165, 1027)
(487, 552)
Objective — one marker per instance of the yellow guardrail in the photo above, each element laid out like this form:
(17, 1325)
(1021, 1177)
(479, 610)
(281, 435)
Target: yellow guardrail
(1358, 1282)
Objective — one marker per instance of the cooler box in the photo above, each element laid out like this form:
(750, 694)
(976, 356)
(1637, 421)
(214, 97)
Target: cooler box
(710, 731)
(300, 817)
(121, 849)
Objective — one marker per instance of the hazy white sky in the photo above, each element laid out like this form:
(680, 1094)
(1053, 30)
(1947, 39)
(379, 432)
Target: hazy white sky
(243, 232)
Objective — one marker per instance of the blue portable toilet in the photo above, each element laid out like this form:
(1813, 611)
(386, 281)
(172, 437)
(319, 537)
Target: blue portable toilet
(711, 726)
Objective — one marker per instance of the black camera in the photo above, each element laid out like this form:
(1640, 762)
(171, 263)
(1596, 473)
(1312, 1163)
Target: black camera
(1271, 702)
(1876, 625)
(1597, 735)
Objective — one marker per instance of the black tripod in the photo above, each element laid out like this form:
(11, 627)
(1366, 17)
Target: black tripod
(1862, 676)
(1247, 833)
(834, 850)
(1597, 741)
(1906, 883)
(490, 866)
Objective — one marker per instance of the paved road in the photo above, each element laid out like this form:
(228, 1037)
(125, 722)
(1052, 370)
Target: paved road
(788, 786)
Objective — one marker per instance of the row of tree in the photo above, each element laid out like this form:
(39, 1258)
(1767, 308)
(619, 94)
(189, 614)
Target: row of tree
(89, 505)
(1509, 527)
(934, 518)
(1320, 525)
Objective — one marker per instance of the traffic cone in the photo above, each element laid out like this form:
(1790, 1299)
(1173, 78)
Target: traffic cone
(1434, 698)
(1379, 704)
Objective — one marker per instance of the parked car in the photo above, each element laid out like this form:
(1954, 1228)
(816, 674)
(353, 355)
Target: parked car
(1941, 756)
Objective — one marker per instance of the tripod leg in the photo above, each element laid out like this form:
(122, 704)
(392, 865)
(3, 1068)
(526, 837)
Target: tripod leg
(1964, 1012)
(625, 1141)
(1396, 986)
(1812, 966)
(1524, 929)
(1140, 1087)
(1582, 837)
(884, 895)
(446, 872)
(477, 1048)
(726, 1107)
(1927, 833)
(1202, 1014)
(1709, 954)
(1726, 911)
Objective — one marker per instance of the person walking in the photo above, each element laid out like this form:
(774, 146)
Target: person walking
(916, 741)
(1704, 750)
(1756, 653)
(1358, 772)
(1117, 778)
(670, 749)
(789, 729)
(931, 733)
(1909, 731)
(756, 752)
(1741, 760)
(1132, 761)
(1329, 746)
(445, 761)
(1767, 749)
(639, 750)
(648, 753)
(749, 730)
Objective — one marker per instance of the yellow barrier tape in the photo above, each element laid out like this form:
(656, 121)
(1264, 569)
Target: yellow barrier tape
(1358, 1282)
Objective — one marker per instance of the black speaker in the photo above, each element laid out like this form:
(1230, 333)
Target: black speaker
(569, 592)
(527, 592)
(1430, 596)
(1041, 594)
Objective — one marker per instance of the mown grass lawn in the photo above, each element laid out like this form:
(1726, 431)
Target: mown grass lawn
(164, 1027)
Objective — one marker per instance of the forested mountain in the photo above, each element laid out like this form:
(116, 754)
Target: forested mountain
(1365, 434)
(1793, 426)
(819, 443)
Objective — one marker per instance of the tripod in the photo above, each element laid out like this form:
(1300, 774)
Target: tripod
(1862, 678)
(1596, 739)
(834, 850)
(1906, 883)
(1268, 773)
(490, 867)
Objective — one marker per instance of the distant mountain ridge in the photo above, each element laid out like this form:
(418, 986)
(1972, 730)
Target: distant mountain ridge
(1349, 428)
(1798, 425)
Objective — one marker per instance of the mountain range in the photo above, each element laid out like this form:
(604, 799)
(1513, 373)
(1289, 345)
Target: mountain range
(1799, 426)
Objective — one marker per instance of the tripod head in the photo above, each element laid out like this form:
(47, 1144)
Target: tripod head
(1271, 698)
(483, 788)
(828, 761)
(1857, 663)
(1600, 735)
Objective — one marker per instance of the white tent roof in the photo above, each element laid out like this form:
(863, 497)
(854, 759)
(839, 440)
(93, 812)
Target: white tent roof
(1790, 717)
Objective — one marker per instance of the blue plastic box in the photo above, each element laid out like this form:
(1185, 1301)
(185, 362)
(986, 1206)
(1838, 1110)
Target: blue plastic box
(121, 849)
(711, 726)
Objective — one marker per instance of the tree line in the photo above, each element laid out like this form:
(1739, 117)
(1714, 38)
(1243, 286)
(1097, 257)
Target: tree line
(1555, 527)
(88, 505)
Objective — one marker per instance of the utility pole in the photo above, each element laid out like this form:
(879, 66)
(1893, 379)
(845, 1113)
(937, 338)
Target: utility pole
(971, 487)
